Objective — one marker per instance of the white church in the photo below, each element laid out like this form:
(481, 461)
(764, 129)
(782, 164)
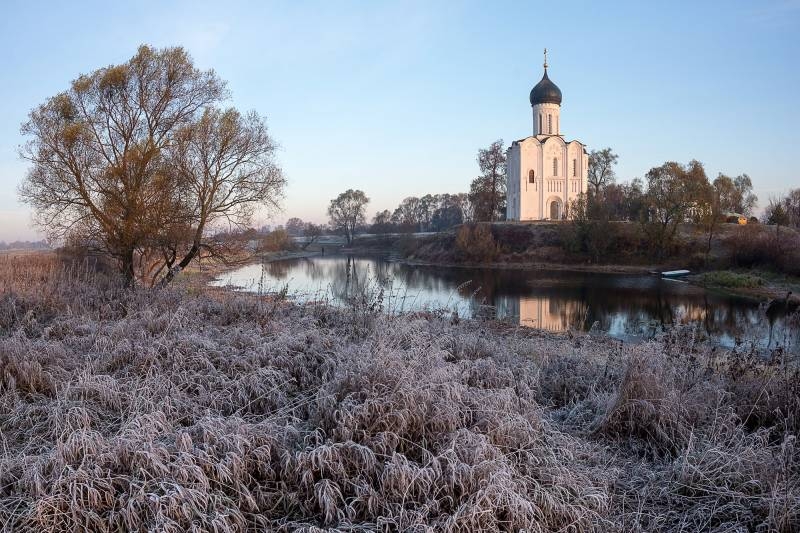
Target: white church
(544, 172)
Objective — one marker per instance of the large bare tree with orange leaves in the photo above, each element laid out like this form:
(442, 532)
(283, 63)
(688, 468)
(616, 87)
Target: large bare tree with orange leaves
(141, 161)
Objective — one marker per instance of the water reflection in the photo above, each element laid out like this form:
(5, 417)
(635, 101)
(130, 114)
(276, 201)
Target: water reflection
(622, 305)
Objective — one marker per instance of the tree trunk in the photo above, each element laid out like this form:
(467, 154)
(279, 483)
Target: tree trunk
(493, 203)
(127, 268)
(174, 271)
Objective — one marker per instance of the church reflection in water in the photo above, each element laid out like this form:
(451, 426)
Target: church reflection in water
(626, 308)
(543, 312)
(621, 305)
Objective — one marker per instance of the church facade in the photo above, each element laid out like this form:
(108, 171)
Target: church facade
(544, 172)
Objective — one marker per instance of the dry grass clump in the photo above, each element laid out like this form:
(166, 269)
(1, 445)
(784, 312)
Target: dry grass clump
(166, 412)
(707, 437)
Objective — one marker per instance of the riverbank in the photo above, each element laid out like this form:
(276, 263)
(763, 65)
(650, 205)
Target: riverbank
(164, 410)
(199, 275)
(413, 249)
(555, 267)
(753, 283)
(542, 246)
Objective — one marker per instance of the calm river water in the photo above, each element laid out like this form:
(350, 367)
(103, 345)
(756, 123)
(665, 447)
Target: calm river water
(625, 306)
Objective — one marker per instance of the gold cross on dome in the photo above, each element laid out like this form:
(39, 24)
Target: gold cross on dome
(545, 58)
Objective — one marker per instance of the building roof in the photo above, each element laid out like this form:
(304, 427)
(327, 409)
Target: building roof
(543, 137)
(545, 92)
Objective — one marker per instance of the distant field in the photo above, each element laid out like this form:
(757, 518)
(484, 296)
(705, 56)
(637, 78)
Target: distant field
(164, 411)
(23, 252)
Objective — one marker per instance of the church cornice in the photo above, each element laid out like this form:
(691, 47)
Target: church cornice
(544, 137)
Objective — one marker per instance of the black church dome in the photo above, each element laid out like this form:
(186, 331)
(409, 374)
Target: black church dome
(545, 92)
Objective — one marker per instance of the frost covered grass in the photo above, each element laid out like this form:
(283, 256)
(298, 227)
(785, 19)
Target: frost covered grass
(729, 279)
(168, 411)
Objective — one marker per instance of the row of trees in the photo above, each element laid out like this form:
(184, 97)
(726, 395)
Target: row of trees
(669, 194)
(432, 212)
(682, 185)
(347, 215)
(486, 201)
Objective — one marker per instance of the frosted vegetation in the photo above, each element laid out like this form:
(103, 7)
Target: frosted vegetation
(175, 411)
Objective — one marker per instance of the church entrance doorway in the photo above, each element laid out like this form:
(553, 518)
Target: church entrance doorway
(555, 210)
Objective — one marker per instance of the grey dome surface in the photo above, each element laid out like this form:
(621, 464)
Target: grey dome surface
(545, 92)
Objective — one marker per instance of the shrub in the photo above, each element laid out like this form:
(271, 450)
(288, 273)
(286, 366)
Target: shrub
(595, 238)
(475, 243)
(276, 241)
(408, 245)
(758, 245)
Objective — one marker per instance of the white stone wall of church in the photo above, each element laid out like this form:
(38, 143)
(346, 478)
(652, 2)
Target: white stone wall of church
(556, 182)
(576, 155)
(528, 201)
(516, 178)
(510, 192)
(554, 111)
(512, 183)
(531, 192)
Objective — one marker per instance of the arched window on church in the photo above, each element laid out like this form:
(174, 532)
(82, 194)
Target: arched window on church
(550, 124)
(531, 177)
(555, 166)
(540, 124)
(574, 168)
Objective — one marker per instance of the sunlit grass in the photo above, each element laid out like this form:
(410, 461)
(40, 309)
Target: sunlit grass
(730, 279)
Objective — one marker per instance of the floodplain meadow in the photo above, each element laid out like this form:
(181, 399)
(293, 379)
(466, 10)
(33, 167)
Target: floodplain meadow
(186, 410)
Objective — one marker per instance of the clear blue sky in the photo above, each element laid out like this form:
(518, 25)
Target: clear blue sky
(395, 98)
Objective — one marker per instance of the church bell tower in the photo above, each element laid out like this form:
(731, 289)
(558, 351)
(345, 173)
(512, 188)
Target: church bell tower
(545, 172)
(546, 104)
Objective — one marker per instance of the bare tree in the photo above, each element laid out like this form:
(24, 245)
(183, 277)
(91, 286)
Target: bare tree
(448, 213)
(601, 168)
(382, 222)
(736, 194)
(347, 212)
(791, 203)
(427, 207)
(709, 214)
(413, 214)
(312, 232)
(783, 212)
(467, 209)
(225, 168)
(117, 160)
(295, 226)
(488, 191)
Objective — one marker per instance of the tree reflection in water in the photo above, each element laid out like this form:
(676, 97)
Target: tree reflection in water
(622, 305)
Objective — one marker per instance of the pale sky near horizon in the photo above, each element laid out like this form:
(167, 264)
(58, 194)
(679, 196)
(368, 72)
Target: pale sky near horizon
(395, 98)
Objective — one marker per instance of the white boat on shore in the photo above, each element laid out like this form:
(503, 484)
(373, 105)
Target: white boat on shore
(675, 273)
